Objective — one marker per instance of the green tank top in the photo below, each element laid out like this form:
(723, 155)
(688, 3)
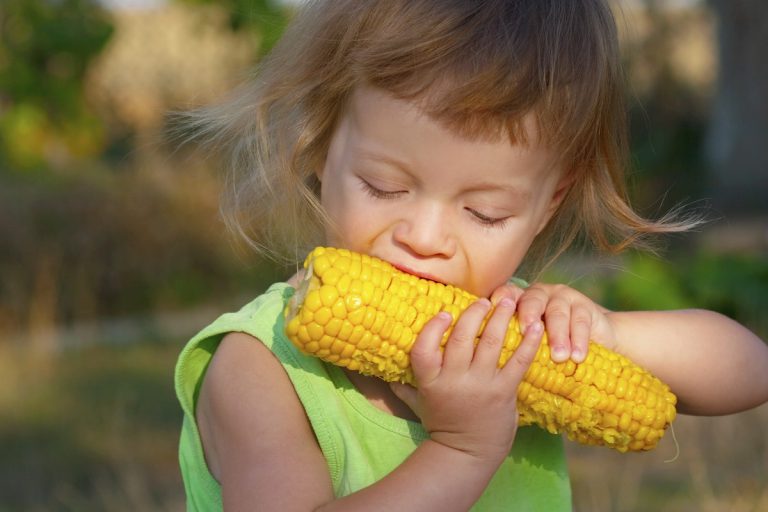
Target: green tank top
(361, 443)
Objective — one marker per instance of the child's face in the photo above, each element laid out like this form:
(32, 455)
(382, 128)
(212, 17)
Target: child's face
(400, 186)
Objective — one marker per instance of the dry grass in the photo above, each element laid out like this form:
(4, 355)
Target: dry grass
(722, 465)
(94, 429)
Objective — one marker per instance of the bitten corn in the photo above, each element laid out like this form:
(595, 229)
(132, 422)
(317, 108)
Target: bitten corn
(361, 313)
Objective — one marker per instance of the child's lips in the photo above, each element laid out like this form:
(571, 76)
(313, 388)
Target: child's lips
(416, 273)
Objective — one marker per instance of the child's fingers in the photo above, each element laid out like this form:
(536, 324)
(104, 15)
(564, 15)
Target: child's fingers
(426, 359)
(489, 346)
(518, 364)
(460, 347)
(558, 318)
(581, 329)
(509, 291)
(531, 306)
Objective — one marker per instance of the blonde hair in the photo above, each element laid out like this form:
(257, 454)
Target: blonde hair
(478, 66)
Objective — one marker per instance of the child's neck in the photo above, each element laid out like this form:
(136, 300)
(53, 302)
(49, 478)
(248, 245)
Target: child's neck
(380, 395)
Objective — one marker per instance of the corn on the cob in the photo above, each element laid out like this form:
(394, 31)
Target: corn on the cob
(361, 313)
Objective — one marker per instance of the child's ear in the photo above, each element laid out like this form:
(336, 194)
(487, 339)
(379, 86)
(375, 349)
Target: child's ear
(563, 186)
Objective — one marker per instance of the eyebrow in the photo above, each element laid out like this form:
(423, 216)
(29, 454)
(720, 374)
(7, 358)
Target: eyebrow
(367, 154)
(520, 195)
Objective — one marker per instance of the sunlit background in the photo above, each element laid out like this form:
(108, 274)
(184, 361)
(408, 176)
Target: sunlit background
(112, 253)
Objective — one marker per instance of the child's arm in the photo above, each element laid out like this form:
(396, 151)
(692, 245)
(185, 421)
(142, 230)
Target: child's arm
(261, 448)
(712, 363)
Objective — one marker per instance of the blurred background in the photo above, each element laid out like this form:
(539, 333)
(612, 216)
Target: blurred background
(112, 253)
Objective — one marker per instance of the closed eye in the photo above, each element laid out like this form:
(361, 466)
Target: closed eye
(486, 220)
(378, 193)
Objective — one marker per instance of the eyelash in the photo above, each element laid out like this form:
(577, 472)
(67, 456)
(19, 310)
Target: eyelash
(487, 221)
(479, 217)
(378, 193)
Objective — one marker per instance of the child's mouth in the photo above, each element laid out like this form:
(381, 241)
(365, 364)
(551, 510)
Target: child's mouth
(416, 273)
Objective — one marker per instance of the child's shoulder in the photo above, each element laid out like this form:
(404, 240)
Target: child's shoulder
(256, 321)
(246, 392)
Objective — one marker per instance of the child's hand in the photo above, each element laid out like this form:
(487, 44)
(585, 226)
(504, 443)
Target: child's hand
(463, 399)
(571, 318)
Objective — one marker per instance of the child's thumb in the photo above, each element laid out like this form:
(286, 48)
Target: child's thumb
(407, 394)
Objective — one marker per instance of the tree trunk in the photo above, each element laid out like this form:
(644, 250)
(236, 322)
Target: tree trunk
(737, 142)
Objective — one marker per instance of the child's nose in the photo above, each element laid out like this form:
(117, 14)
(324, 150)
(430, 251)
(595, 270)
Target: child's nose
(426, 231)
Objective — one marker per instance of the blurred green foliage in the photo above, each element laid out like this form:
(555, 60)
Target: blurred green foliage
(265, 20)
(87, 234)
(45, 49)
(733, 284)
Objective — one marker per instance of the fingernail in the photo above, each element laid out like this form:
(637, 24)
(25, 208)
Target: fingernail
(559, 353)
(506, 302)
(485, 302)
(444, 315)
(577, 356)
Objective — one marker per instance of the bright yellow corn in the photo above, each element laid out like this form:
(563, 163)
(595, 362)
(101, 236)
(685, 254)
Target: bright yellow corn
(361, 313)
